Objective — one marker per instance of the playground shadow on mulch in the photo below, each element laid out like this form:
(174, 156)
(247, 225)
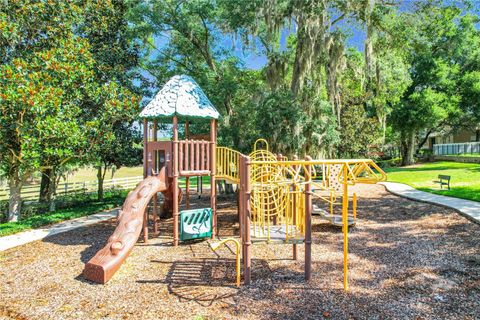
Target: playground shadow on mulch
(198, 280)
(94, 236)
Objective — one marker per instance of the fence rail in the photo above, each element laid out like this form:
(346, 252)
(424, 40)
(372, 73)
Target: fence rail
(31, 192)
(456, 148)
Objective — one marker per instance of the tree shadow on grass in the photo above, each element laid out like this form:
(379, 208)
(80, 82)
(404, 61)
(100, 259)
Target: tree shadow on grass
(464, 166)
(419, 169)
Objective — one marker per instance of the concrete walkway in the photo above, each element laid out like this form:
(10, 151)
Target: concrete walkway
(22, 238)
(470, 209)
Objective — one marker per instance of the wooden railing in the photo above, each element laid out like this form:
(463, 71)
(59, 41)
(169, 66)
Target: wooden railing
(194, 157)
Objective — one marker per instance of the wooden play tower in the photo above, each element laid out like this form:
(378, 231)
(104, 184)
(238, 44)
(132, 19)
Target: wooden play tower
(180, 103)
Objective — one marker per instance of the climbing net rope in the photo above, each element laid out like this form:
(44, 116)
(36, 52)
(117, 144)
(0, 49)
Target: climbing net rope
(277, 200)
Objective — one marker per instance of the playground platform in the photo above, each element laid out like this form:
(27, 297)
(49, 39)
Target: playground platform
(276, 234)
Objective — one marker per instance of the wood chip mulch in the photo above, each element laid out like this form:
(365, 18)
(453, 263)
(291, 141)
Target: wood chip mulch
(408, 260)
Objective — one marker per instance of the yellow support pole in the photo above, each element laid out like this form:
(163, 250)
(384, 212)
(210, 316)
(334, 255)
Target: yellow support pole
(331, 203)
(354, 206)
(345, 227)
(217, 245)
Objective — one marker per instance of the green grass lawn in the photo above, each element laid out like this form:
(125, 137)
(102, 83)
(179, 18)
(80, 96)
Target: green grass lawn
(86, 208)
(467, 155)
(464, 183)
(90, 174)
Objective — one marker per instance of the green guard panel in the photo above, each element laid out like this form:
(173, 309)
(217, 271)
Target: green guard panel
(195, 224)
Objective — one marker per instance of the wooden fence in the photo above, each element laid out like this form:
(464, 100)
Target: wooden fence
(31, 192)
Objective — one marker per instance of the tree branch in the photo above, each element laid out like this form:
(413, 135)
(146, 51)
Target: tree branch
(167, 57)
(425, 139)
(338, 19)
(206, 29)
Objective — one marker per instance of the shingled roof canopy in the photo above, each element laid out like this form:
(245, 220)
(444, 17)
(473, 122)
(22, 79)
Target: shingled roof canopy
(181, 96)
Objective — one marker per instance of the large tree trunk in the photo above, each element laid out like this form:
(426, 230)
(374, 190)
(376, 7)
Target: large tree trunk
(15, 198)
(335, 65)
(310, 38)
(52, 191)
(46, 184)
(100, 178)
(408, 149)
(382, 120)
(369, 53)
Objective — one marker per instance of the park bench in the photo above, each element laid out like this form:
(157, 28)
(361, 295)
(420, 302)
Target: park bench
(443, 180)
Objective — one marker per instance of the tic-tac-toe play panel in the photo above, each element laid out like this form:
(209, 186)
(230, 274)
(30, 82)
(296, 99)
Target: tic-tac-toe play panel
(195, 224)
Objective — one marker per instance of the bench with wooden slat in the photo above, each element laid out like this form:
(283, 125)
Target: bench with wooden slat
(443, 180)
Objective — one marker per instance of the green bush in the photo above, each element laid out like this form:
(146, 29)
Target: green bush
(394, 162)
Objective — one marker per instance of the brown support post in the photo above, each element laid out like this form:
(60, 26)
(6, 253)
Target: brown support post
(294, 218)
(197, 155)
(213, 189)
(345, 226)
(186, 157)
(181, 157)
(154, 137)
(241, 206)
(240, 201)
(246, 238)
(187, 192)
(187, 181)
(145, 148)
(145, 174)
(145, 225)
(308, 221)
(155, 196)
(175, 181)
(192, 155)
(202, 155)
(208, 157)
(199, 186)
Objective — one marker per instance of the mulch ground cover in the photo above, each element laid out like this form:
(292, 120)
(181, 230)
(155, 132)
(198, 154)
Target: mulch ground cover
(408, 260)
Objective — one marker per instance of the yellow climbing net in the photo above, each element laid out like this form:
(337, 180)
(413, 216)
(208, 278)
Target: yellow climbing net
(277, 202)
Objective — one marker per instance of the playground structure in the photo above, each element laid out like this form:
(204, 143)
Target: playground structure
(276, 199)
(275, 194)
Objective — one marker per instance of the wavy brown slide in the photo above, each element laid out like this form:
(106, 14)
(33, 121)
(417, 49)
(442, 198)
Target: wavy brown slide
(129, 226)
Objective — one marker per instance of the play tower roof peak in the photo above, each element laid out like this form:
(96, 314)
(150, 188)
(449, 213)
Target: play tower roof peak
(181, 96)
